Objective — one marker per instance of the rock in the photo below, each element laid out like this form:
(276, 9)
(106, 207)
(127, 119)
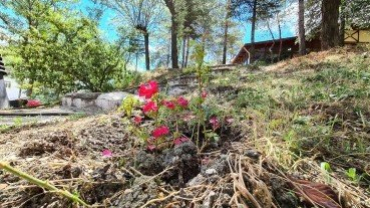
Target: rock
(211, 172)
(216, 167)
(252, 154)
(142, 190)
(110, 101)
(209, 200)
(365, 55)
(183, 158)
(79, 100)
(197, 180)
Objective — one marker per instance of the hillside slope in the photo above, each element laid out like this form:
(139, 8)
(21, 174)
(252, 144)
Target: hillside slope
(298, 124)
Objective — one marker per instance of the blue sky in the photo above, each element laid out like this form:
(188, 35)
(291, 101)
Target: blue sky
(262, 35)
(105, 23)
(110, 33)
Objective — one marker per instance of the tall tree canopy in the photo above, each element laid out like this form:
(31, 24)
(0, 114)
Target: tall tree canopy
(57, 49)
(142, 15)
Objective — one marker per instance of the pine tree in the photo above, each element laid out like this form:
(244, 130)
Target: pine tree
(301, 26)
(251, 10)
(329, 26)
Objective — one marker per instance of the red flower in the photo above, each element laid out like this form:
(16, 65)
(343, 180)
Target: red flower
(182, 102)
(33, 103)
(215, 123)
(138, 120)
(150, 107)
(204, 94)
(160, 131)
(169, 104)
(149, 89)
(180, 140)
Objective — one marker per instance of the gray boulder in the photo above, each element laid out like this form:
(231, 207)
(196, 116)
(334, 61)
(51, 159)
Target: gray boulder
(110, 101)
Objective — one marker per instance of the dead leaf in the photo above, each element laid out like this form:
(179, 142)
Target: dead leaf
(3, 186)
(316, 193)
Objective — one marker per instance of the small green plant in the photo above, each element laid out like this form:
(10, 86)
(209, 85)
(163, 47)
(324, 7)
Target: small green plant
(325, 167)
(77, 116)
(4, 127)
(352, 175)
(43, 184)
(18, 121)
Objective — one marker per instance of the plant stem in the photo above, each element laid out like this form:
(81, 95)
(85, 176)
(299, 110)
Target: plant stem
(41, 183)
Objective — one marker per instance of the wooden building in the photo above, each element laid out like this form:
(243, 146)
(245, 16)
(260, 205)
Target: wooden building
(268, 51)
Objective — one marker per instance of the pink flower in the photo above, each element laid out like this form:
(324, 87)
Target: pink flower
(149, 89)
(180, 140)
(151, 147)
(229, 120)
(138, 120)
(215, 123)
(107, 153)
(182, 102)
(160, 131)
(169, 104)
(204, 95)
(33, 103)
(150, 107)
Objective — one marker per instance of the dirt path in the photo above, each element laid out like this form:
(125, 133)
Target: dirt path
(20, 117)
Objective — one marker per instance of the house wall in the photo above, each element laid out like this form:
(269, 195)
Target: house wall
(12, 89)
(357, 36)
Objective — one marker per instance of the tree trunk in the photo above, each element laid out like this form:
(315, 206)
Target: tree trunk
(253, 32)
(174, 51)
(147, 54)
(168, 56)
(183, 52)
(280, 38)
(136, 61)
(187, 51)
(302, 31)
(342, 23)
(226, 31)
(329, 25)
(273, 43)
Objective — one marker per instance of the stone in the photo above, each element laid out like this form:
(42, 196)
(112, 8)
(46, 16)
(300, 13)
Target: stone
(252, 154)
(211, 172)
(209, 200)
(197, 180)
(110, 101)
(79, 100)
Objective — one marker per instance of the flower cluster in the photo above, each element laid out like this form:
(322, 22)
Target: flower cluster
(151, 106)
(148, 90)
(173, 118)
(169, 115)
(33, 103)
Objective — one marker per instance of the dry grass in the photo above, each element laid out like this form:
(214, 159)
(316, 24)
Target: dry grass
(293, 115)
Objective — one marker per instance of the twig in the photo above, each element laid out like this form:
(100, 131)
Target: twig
(159, 199)
(43, 184)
